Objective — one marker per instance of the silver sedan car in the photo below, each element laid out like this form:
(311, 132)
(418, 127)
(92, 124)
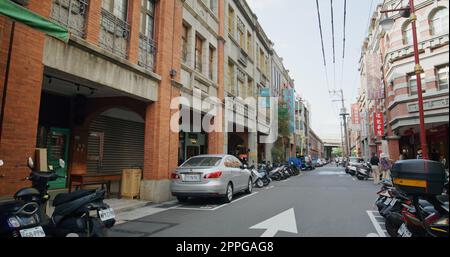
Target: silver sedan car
(211, 176)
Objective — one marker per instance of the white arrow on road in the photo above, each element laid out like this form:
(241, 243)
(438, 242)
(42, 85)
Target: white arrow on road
(284, 221)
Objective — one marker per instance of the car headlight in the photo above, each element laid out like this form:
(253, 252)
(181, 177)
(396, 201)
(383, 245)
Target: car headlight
(14, 222)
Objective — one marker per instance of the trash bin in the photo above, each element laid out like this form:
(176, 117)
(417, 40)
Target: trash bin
(131, 183)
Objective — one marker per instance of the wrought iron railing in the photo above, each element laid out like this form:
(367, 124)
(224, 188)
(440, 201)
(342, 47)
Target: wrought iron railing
(114, 34)
(147, 52)
(72, 14)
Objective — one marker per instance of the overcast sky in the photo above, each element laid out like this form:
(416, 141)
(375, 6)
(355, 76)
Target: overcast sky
(293, 26)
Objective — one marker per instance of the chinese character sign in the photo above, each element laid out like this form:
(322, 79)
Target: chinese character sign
(375, 87)
(355, 114)
(379, 124)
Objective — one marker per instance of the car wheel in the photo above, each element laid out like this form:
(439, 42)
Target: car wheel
(229, 193)
(250, 186)
(182, 199)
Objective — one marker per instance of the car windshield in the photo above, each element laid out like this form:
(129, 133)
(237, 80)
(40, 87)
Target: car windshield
(202, 162)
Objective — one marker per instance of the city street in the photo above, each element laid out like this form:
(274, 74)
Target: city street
(325, 202)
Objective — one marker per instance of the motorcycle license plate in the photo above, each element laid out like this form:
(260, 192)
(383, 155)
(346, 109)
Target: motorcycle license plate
(106, 214)
(32, 232)
(388, 201)
(403, 231)
(393, 202)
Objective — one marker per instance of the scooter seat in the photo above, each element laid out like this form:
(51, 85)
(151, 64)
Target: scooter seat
(68, 197)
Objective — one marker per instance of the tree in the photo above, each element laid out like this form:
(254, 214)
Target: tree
(337, 152)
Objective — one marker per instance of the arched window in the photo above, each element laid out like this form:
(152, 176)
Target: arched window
(407, 33)
(439, 21)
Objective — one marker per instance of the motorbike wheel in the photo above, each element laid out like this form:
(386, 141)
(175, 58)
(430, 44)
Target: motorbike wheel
(359, 177)
(259, 183)
(393, 223)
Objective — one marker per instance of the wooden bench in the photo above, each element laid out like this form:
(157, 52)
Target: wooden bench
(103, 179)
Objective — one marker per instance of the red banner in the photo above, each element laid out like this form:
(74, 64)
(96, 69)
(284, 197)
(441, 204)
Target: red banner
(355, 114)
(379, 124)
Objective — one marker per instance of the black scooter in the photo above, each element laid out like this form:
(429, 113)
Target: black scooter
(19, 217)
(72, 213)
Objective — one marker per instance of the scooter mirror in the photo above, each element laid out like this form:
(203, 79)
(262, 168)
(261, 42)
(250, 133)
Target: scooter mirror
(1, 163)
(30, 163)
(62, 163)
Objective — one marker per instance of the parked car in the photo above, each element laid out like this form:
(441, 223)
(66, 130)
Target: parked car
(353, 164)
(220, 176)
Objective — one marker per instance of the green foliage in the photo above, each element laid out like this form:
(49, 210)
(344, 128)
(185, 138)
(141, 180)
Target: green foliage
(337, 152)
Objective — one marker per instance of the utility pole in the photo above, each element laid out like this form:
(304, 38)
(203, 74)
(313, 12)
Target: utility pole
(344, 115)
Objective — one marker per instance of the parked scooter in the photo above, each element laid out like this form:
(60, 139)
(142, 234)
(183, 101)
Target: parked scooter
(364, 171)
(72, 213)
(20, 218)
(259, 177)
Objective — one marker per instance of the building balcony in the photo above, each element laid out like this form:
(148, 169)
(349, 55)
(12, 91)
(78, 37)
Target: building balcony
(114, 34)
(71, 14)
(147, 53)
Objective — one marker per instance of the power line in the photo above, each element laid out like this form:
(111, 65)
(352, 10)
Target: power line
(332, 29)
(321, 34)
(345, 22)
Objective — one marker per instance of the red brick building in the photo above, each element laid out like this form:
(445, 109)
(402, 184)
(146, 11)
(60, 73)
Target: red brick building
(100, 101)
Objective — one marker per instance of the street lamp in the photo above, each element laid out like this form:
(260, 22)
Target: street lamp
(409, 12)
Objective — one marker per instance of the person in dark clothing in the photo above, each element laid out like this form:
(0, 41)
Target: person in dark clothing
(374, 162)
(435, 156)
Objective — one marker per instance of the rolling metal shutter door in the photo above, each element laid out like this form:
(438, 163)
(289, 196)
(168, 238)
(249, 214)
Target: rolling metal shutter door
(123, 144)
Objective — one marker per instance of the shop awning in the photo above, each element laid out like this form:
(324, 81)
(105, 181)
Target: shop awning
(25, 16)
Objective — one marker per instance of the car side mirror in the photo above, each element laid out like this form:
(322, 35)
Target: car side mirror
(30, 163)
(62, 163)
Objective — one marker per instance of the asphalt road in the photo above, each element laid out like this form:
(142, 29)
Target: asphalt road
(325, 202)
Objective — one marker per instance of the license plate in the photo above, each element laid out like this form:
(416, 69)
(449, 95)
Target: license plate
(32, 232)
(106, 214)
(191, 178)
(403, 231)
(393, 202)
(388, 201)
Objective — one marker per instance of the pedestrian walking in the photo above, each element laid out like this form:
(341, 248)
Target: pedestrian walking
(404, 155)
(419, 154)
(435, 156)
(385, 166)
(375, 162)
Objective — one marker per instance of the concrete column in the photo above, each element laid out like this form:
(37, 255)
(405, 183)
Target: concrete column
(191, 47)
(253, 147)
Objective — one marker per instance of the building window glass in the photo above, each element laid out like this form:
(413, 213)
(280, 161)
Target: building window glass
(412, 83)
(147, 18)
(407, 34)
(184, 42)
(439, 22)
(213, 5)
(442, 73)
(198, 53)
(116, 7)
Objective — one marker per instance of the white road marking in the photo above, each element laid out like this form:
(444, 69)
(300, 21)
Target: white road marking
(376, 224)
(206, 208)
(284, 221)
